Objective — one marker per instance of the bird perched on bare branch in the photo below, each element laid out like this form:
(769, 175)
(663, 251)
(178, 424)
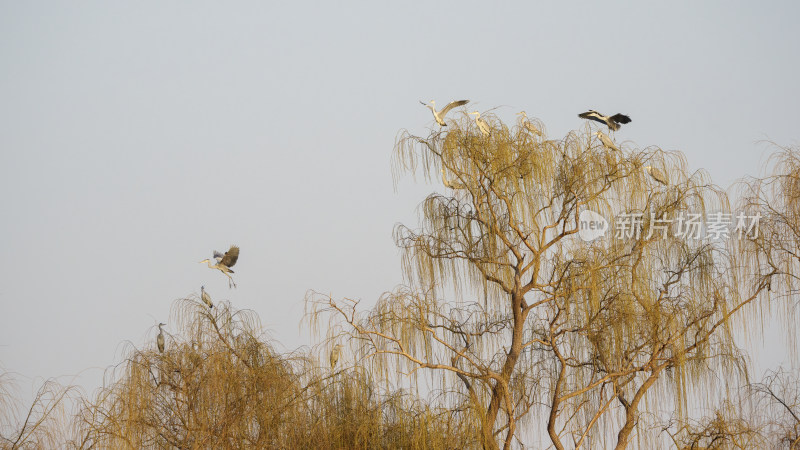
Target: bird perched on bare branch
(225, 262)
(482, 124)
(334, 358)
(160, 338)
(607, 142)
(612, 122)
(439, 115)
(528, 125)
(657, 175)
(206, 298)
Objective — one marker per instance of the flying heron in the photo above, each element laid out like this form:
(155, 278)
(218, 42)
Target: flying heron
(612, 122)
(607, 142)
(528, 125)
(657, 175)
(482, 125)
(206, 298)
(335, 355)
(160, 338)
(452, 184)
(439, 115)
(225, 262)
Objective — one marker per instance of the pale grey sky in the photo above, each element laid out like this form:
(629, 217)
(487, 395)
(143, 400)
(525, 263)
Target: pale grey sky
(137, 137)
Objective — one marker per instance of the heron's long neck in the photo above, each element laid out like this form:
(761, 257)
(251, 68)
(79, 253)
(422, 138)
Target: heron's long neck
(211, 266)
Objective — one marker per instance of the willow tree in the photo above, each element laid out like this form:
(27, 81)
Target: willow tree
(220, 384)
(217, 384)
(774, 252)
(43, 424)
(527, 319)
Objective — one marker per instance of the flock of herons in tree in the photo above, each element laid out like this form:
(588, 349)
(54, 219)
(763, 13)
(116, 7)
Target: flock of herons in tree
(612, 122)
(224, 261)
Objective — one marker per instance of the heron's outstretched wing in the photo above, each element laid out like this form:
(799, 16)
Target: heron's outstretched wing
(230, 256)
(621, 118)
(593, 115)
(452, 105)
(218, 256)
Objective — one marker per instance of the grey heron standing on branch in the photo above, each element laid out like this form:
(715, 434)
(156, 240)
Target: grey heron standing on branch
(528, 125)
(612, 122)
(205, 297)
(439, 115)
(160, 338)
(657, 175)
(334, 358)
(607, 142)
(482, 124)
(225, 262)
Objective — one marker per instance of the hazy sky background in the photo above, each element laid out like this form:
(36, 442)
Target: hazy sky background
(137, 137)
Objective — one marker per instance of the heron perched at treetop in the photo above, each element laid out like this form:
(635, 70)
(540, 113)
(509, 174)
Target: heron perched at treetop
(335, 355)
(657, 175)
(225, 262)
(452, 184)
(160, 338)
(612, 122)
(206, 298)
(607, 142)
(528, 125)
(482, 125)
(439, 115)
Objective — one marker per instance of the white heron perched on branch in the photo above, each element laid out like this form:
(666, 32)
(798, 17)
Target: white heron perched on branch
(612, 122)
(160, 338)
(439, 115)
(482, 124)
(225, 262)
(528, 125)
(657, 175)
(334, 358)
(452, 184)
(205, 297)
(607, 142)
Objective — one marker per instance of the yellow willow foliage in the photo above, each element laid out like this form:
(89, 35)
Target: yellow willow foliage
(773, 252)
(44, 424)
(221, 384)
(523, 316)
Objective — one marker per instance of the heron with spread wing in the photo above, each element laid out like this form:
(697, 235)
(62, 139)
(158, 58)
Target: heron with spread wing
(225, 262)
(439, 115)
(612, 122)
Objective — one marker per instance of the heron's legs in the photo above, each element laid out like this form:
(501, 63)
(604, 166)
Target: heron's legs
(230, 280)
